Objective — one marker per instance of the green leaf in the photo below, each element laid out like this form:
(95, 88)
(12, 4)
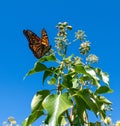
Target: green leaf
(86, 70)
(103, 89)
(104, 105)
(68, 59)
(80, 69)
(24, 123)
(103, 100)
(103, 75)
(83, 79)
(36, 106)
(52, 81)
(47, 58)
(75, 82)
(48, 72)
(91, 72)
(34, 116)
(85, 99)
(37, 68)
(80, 109)
(88, 98)
(67, 81)
(62, 120)
(36, 103)
(55, 106)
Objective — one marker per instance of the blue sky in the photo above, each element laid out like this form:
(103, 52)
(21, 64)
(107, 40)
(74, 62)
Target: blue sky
(99, 19)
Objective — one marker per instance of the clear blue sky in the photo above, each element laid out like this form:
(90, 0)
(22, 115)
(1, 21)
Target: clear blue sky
(99, 19)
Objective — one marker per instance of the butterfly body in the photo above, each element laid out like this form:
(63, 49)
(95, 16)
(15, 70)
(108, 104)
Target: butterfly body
(39, 46)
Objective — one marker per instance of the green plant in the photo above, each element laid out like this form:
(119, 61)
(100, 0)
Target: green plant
(77, 83)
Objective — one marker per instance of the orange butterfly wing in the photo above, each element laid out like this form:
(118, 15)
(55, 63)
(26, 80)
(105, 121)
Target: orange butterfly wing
(44, 37)
(39, 46)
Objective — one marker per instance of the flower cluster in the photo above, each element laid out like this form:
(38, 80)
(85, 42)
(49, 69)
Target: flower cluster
(80, 35)
(61, 39)
(92, 58)
(85, 47)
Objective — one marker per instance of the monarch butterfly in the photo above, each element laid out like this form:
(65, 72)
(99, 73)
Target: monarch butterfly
(39, 46)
